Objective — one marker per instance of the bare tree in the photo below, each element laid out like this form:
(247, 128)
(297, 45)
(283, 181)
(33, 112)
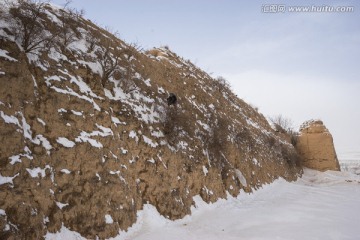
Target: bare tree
(28, 28)
(282, 124)
(93, 41)
(285, 125)
(69, 21)
(109, 62)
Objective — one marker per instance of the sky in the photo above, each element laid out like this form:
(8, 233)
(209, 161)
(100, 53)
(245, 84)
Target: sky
(302, 65)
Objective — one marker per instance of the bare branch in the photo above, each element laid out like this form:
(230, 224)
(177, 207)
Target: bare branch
(28, 28)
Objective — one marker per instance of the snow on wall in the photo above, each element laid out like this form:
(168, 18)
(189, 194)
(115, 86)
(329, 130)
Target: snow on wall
(26, 129)
(108, 219)
(36, 172)
(4, 180)
(4, 54)
(241, 177)
(141, 104)
(150, 142)
(65, 142)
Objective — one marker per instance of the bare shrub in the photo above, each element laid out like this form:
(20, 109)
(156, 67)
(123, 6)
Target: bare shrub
(244, 139)
(28, 28)
(133, 49)
(128, 85)
(109, 61)
(69, 21)
(111, 56)
(154, 52)
(221, 84)
(215, 140)
(271, 141)
(282, 124)
(113, 32)
(93, 41)
(174, 123)
(291, 156)
(294, 136)
(285, 126)
(216, 145)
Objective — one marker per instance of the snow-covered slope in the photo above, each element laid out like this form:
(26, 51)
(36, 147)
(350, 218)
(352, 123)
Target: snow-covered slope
(87, 137)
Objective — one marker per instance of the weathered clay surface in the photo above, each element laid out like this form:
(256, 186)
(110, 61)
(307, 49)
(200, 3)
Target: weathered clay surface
(316, 147)
(77, 145)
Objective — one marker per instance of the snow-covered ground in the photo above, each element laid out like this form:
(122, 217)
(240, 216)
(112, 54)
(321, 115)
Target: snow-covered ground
(350, 160)
(317, 206)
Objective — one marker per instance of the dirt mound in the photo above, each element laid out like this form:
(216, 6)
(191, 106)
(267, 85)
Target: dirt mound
(87, 136)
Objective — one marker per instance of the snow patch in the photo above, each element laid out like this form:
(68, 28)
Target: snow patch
(65, 142)
(182, 145)
(136, 100)
(241, 177)
(15, 159)
(34, 57)
(35, 172)
(64, 233)
(133, 134)
(117, 121)
(147, 82)
(52, 78)
(105, 131)
(2, 212)
(204, 125)
(4, 180)
(150, 142)
(77, 113)
(41, 121)
(71, 92)
(9, 119)
(256, 162)
(157, 134)
(151, 161)
(4, 54)
(61, 205)
(86, 137)
(124, 151)
(205, 170)
(95, 67)
(108, 219)
(44, 142)
(97, 174)
(65, 171)
(161, 90)
(79, 46)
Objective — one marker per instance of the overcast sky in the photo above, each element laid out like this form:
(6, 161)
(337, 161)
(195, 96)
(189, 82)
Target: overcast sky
(300, 65)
